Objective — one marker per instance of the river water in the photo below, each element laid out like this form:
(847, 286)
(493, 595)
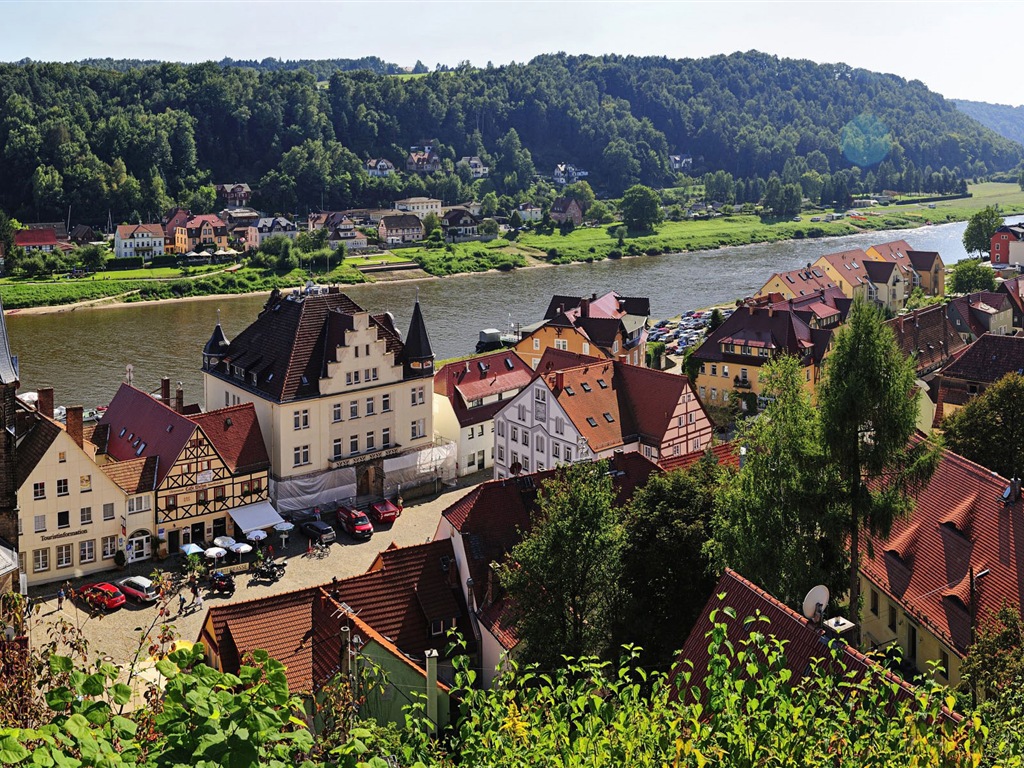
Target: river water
(83, 354)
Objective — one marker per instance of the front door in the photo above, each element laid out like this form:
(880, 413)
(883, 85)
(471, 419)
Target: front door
(220, 527)
(173, 542)
(198, 534)
(138, 546)
(370, 479)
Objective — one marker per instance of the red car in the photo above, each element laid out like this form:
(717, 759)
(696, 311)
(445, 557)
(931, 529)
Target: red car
(354, 522)
(384, 512)
(102, 595)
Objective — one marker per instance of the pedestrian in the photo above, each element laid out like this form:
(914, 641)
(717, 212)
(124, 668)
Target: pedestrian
(199, 601)
(181, 603)
(270, 551)
(195, 591)
(60, 599)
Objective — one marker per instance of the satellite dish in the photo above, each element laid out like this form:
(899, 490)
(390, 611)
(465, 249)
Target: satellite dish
(815, 602)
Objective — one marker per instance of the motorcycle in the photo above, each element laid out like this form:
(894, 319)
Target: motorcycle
(268, 572)
(222, 582)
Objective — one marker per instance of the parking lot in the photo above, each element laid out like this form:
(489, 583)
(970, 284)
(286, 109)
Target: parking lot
(118, 635)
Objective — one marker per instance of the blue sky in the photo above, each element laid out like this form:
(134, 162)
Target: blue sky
(941, 43)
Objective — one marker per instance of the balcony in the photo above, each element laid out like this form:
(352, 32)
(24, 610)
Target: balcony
(739, 383)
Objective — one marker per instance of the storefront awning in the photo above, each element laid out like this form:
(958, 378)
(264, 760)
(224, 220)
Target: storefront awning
(255, 516)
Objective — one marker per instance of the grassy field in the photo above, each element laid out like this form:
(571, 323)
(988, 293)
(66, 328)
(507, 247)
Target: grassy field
(467, 257)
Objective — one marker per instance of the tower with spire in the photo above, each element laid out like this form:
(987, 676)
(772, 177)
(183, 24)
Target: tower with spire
(417, 356)
(216, 347)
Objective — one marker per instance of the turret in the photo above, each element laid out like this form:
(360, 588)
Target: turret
(417, 356)
(216, 347)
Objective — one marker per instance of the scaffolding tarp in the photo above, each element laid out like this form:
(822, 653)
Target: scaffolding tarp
(316, 490)
(435, 463)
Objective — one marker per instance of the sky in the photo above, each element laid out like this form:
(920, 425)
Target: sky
(943, 44)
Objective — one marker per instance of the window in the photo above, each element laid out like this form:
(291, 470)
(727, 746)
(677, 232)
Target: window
(559, 426)
(355, 377)
(366, 375)
(586, 387)
(556, 451)
(202, 496)
(300, 455)
(501, 453)
(138, 504)
(369, 406)
(86, 551)
(371, 441)
(40, 523)
(385, 403)
(725, 370)
(62, 456)
(874, 602)
(480, 430)
(703, 392)
(108, 511)
(568, 453)
(521, 411)
(385, 437)
(417, 395)
(41, 560)
(944, 664)
(586, 348)
(515, 459)
(526, 463)
(64, 559)
(714, 393)
(86, 515)
(300, 419)
(501, 428)
(591, 421)
(64, 519)
(62, 487)
(336, 412)
(714, 369)
(540, 444)
(171, 502)
(418, 428)
(38, 490)
(515, 433)
(336, 450)
(353, 409)
(85, 483)
(696, 444)
(373, 374)
(348, 378)
(109, 544)
(892, 618)
(562, 344)
(615, 347)
(526, 438)
(536, 343)
(353, 444)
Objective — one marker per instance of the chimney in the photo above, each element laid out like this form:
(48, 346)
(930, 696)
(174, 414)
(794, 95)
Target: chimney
(179, 399)
(559, 380)
(899, 323)
(165, 391)
(750, 309)
(346, 650)
(73, 421)
(431, 657)
(584, 307)
(771, 310)
(45, 402)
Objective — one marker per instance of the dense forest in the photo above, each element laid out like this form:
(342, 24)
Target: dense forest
(132, 142)
(320, 68)
(1003, 119)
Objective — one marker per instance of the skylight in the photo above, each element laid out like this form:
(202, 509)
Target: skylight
(602, 384)
(586, 387)
(591, 421)
(608, 417)
(569, 391)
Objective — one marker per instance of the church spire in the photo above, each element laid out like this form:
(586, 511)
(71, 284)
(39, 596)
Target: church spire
(417, 356)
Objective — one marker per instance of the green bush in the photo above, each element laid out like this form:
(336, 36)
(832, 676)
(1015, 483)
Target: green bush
(126, 262)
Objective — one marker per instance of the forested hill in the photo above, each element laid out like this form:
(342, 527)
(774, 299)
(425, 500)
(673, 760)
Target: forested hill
(1003, 119)
(135, 141)
(319, 68)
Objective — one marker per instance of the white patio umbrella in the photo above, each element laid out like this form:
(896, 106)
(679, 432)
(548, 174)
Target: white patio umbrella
(241, 548)
(256, 535)
(284, 526)
(215, 553)
(192, 549)
(224, 541)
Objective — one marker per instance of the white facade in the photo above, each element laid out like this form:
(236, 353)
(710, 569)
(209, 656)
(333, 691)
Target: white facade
(421, 206)
(145, 240)
(534, 431)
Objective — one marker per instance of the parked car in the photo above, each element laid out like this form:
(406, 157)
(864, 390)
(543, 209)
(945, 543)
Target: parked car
(319, 531)
(138, 588)
(301, 516)
(101, 595)
(384, 512)
(797, 218)
(354, 522)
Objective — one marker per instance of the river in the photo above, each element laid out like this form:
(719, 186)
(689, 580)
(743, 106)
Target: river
(83, 354)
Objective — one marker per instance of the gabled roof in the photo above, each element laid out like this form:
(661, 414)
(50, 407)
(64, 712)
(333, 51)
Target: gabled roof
(804, 281)
(478, 378)
(289, 344)
(879, 271)
(134, 475)
(726, 454)
(895, 251)
(988, 359)
(562, 204)
(36, 434)
(777, 330)
(610, 304)
(140, 425)
(928, 336)
(35, 238)
(401, 221)
(959, 522)
(493, 517)
(804, 642)
(236, 435)
(125, 231)
(849, 265)
(924, 261)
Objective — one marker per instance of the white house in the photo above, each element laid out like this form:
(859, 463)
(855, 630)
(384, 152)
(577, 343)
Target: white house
(146, 240)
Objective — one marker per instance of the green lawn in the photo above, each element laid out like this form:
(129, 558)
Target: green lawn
(387, 257)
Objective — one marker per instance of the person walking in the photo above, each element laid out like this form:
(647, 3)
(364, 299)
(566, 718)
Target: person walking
(199, 601)
(181, 603)
(270, 551)
(60, 599)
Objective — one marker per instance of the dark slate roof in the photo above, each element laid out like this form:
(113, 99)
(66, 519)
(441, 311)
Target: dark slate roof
(290, 343)
(218, 343)
(988, 359)
(879, 271)
(778, 330)
(417, 344)
(402, 221)
(35, 434)
(923, 261)
(928, 336)
(8, 370)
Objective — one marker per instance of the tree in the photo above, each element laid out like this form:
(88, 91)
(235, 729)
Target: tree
(641, 208)
(200, 199)
(581, 192)
(431, 222)
(868, 406)
(715, 320)
(599, 212)
(980, 228)
(989, 429)
(665, 579)
(489, 205)
(971, 275)
(93, 257)
(561, 577)
(488, 227)
(775, 521)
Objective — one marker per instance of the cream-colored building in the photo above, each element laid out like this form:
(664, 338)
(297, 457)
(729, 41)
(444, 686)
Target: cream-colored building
(74, 514)
(343, 402)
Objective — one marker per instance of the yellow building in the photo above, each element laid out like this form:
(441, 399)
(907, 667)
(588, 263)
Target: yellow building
(206, 232)
(796, 282)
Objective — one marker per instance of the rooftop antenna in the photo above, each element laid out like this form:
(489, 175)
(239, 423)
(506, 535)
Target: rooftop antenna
(815, 603)
(129, 374)
(218, 315)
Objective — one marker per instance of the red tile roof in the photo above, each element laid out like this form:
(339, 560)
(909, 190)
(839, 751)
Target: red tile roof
(36, 434)
(726, 454)
(134, 475)
(478, 378)
(140, 425)
(988, 359)
(125, 231)
(958, 522)
(235, 434)
(804, 642)
(894, 252)
(35, 238)
(849, 265)
(803, 281)
(558, 359)
(928, 336)
(777, 330)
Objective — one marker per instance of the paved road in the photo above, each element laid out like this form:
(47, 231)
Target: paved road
(118, 636)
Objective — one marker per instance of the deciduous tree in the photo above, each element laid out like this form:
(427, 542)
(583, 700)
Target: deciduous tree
(971, 275)
(980, 228)
(641, 208)
(989, 429)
